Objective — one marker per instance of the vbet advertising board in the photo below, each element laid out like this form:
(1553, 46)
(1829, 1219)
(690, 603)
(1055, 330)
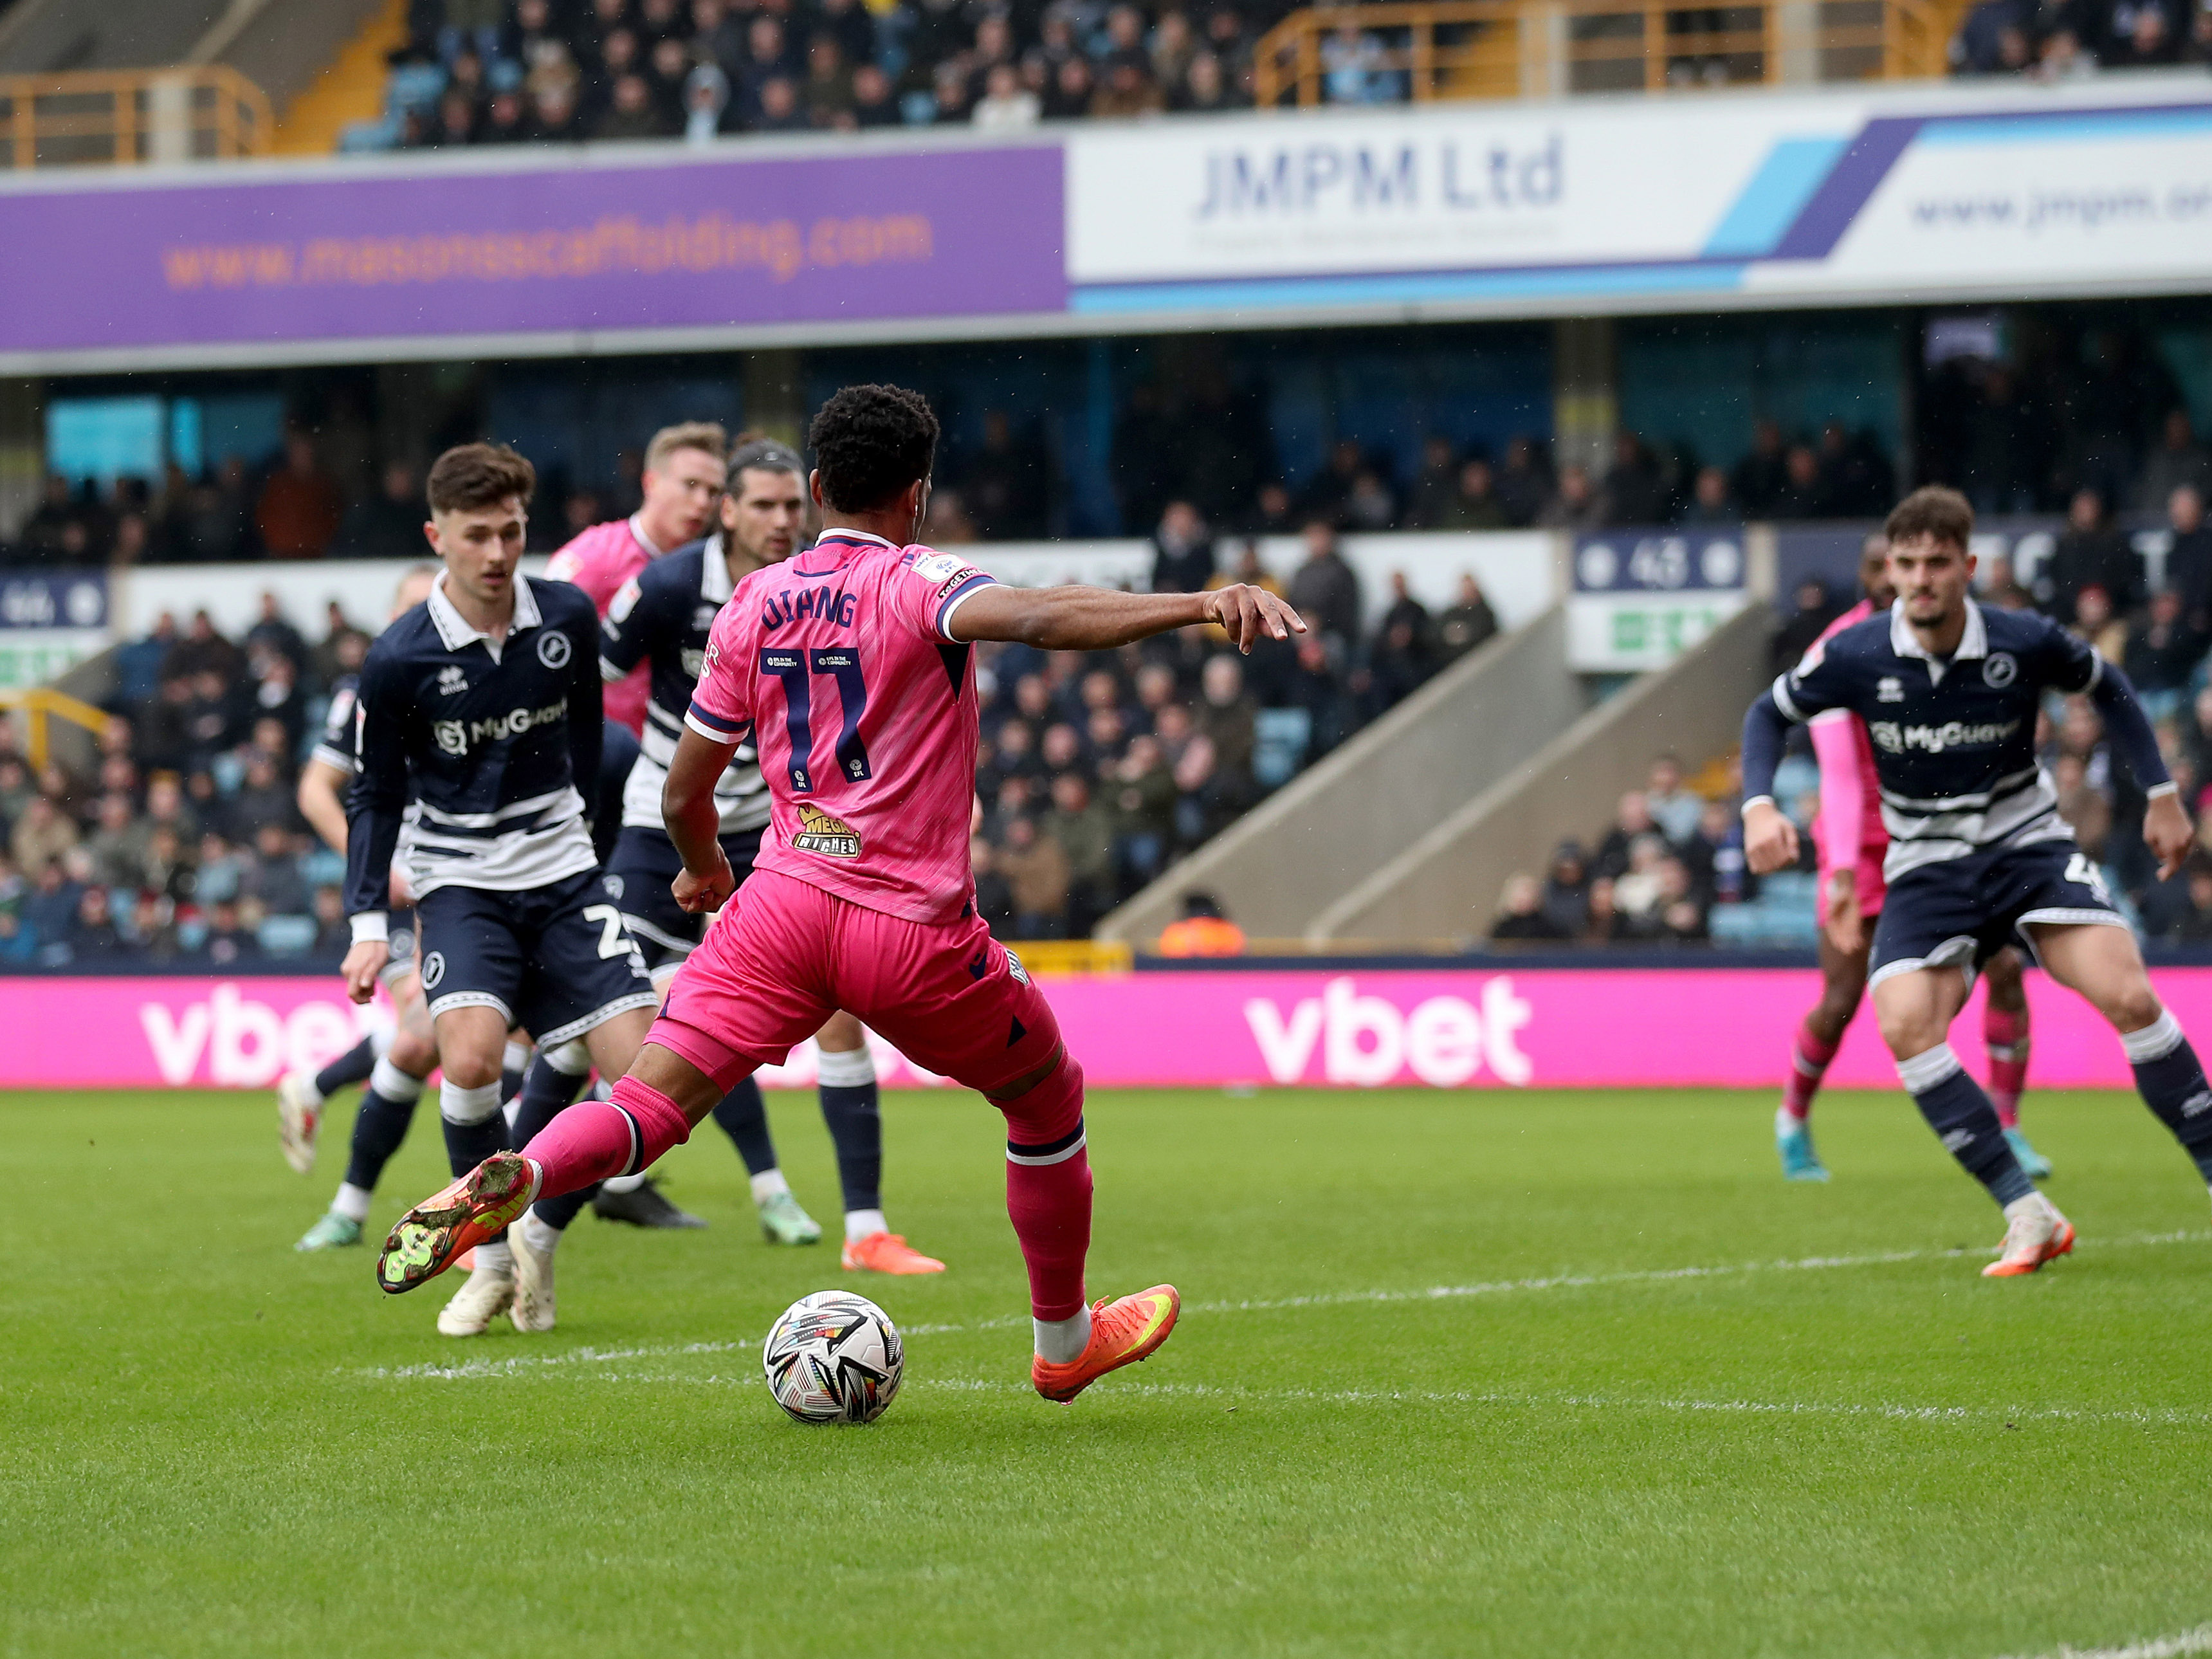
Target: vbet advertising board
(1872, 196)
(1446, 1027)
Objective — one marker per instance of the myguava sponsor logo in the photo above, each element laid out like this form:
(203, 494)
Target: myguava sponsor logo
(1368, 1040)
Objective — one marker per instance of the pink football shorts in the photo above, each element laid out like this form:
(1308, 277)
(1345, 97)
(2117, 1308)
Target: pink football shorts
(784, 955)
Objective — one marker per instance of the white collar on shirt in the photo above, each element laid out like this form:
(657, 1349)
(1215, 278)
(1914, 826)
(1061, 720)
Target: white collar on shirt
(1974, 643)
(715, 584)
(637, 529)
(457, 634)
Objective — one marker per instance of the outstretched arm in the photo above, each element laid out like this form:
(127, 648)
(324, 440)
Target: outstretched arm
(1100, 618)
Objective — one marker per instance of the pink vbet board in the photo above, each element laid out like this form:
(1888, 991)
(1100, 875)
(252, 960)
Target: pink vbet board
(1446, 1028)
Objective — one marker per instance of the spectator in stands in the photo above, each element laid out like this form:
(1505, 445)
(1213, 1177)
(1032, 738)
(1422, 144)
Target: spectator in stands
(1567, 890)
(1227, 717)
(1631, 820)
(1369, 506)
(1402, 655)
(1143, 792)
(1574, 505)
(1469, 623)
(2179, 462)
(2091, 553)
(1085, 831)
(875, 102)
(1804, 492)
(631, 112)
(1328, 490)
(2163, 654)
(1763, 473)
(1472, 503)
(1325, 589)
(1203, 930)
(1435, 486)
(1067, 96)
(1523, 483)
(1715, 856)
(1999, 588)
(555, 116)
(1674, 808)
(49, 906)
(2093, 621)
(1036, 867)
(44, 833)
(1711, 504)
(1005, 101)
(228, 942)
(388, 524)
(115, 846)
(2189, 920)
(1522, 918)
(1182, 551)
(2189, 556)
(298, 512)
(1635, 491)
(93, 941)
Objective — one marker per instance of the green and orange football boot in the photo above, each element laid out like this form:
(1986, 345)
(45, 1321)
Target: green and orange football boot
(1122, 1333)
(478, 1206)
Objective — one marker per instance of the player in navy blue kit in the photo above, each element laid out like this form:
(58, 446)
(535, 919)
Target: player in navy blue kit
(1977, 853)
(409, 1052)
(482, 705)
(661, 618)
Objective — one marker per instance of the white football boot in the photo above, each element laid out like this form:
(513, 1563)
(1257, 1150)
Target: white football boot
(484, 1297)
(298, 1119)
(533, 1281)
(2034, 1233)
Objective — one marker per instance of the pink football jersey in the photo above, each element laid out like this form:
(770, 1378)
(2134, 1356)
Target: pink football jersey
(863, 709)
(599, 561)
(1872, 838)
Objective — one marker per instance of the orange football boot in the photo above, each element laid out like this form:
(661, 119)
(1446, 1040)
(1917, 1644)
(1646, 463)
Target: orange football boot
(886, 1252)
(2031, 1240)
(1122, 1333)
(480, 1204)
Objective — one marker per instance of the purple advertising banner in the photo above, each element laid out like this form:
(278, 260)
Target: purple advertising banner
(858, 237)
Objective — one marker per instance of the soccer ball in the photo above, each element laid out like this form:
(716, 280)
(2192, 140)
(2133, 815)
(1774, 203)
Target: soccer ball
(833, 1357)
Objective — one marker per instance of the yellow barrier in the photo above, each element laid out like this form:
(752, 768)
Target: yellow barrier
(42, 703)
(127, 118)
(1458, 49)
(1057, 958)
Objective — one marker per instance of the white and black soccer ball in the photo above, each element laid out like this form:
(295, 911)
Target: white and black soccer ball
(833, 1357)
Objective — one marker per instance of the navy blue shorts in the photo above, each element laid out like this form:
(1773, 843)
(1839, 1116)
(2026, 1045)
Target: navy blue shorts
(555, 960)
(1961, 912)
(640, 872)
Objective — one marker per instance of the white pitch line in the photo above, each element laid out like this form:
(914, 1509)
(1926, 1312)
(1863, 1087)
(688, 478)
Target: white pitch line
(526, 1364)
(2164, 1647)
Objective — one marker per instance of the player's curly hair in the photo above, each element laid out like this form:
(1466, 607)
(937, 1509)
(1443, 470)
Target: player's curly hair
(870, 442)
(1932, 510)
(473, 477)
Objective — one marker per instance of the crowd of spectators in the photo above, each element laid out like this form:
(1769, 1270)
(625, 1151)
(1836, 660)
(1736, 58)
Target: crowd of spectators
(2060, 39)
(520, 71)
(181, 842)
(1097, 770)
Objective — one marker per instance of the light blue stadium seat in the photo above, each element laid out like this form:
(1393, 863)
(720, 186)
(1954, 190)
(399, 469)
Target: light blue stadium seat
(288, 936)
(1280, 749)
(415, 87)
(365, 138)
(323, 868)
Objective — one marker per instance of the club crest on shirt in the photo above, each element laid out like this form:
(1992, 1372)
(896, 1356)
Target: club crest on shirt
(553, 650)
(1999, 670)
(818, 832)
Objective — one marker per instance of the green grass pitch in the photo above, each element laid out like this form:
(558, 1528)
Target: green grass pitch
(213, 1445)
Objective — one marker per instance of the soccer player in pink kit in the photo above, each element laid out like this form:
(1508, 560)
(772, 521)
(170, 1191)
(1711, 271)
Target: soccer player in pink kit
(849, 664)
(682, 493)
(1850, 842)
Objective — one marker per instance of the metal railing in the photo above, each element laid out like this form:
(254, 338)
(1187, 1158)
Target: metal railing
(1457, 49)
(129, 118)
(41, 703)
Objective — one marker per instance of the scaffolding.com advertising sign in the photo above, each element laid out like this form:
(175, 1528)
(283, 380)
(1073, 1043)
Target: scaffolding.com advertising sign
(1927, 192)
